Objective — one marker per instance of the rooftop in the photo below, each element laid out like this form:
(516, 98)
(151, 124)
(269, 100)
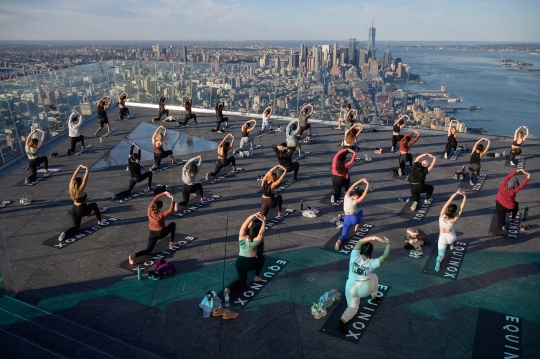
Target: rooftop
(75, 302)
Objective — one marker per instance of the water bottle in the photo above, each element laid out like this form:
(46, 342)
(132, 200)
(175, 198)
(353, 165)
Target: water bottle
(301, 205)
(100, 139)
(504, 153)
(463, 170)
(227, 303)
(138, 272)
(379, 146)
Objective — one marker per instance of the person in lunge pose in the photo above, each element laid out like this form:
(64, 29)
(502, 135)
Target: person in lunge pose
(343, 111)
(351, 136)
(156, 222)
(404, 145)
(506, 197)
(124, 111)
(350, 119)
(135, 171)
(302, 121)
(284, 156)
(189, 176)
(340, 172)
(519, 138)
(159, 153)
(102, 108)
(80, 208)
(74, 124)
(362, 282)
(291, 134)
(452, 138)
(162, 110)
(447, 218)
(188, 103)
(417, 178)
(266, 122)
(219, 117)
(398, 125)
(223, 161)
(478, 152)
(268, 184)
(246, 138)
(34, 161)
(352, 217)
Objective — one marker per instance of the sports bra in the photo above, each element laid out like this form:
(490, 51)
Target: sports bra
(267, 190)
(396, 129)
(451, 138)
(517, 144)
(81, 199)
(445, 225)
(245, 133)
(33, 154)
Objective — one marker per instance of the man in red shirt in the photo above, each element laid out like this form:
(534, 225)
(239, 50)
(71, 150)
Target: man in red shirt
(506, 196)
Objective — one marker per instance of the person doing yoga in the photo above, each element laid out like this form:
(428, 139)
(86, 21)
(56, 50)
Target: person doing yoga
(305, 114)
(162, 110)
(74, 125)
(398, 126)
(189, 177)
(350, 119)
(223, 161)
(246, 138)
(340, 172)
(80, 208)
(351, 136)
(519, 138)
(291, 135)
(269, 183)
(352, 217)
(452, 138)
(124, 111)
(159, 153)
(447, 218)
(343, 111)
(404, 145)
(362, 282)
(266, 122)
(188, 103)
(478, 152)
(219, 117)
(506, 197)
(135, 171)
(34, 161)
(102, 108)
(156, 223)
(417, 178)
(284, 156)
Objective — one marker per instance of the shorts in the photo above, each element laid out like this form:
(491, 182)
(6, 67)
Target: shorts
(103, 121)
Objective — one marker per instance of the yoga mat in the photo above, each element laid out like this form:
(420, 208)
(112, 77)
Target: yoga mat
(359, 324)
(172, 165)
(133, 195)
(418, 215)
(38, 179)
(220, 178)
(190, 124)
(161, 250)
(284, 185)
(512, 229)
(450, 265)
(348, 244)
(87, 228)
(108, 133)
(51, 170)
(184, 211)
(478, 184)
(519, 162)
(497, 335)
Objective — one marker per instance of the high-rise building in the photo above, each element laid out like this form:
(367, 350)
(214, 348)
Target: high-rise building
(325, 56)
(387, 59)
(317, 58)
(303, 52)
(157, 50)
(371, 42)
(263, 61)
(184, 54)
(276, 62)
(335, 54)
(352, 50)
(361, 57)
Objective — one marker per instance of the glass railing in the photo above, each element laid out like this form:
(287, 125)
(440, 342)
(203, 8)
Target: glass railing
(46, 100)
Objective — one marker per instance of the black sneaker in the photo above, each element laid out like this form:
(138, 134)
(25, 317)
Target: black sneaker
(342, 327)
(69, 153)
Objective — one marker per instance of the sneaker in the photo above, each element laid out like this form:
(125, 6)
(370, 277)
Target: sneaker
(103, 222)
(512, 163)
(414, 254)
(437, 266)
(342, 327)
(332, 199)
(445, 155)
(225, 313)
(413, 206)
(399, 172)
(69, 152)
(113, 197)
(61, 236)
(428, 201)
(102, 209)
(471, 183)
(219, 131)
(206, 177)
(317, 312)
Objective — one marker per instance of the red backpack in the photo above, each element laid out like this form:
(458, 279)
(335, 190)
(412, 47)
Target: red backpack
(418, 234)
(164, 268)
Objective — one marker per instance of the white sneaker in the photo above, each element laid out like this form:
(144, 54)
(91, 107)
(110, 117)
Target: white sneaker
(471, 183)
(103, 222)
(61, 237)
(113, 197)
(445, 155)
(413, 206)
(332, 199)
(428, 201)
(512, 163)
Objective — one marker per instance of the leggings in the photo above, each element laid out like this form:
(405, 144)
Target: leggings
(514, 152)
(303, 128)
(474, 167)
(338, 182)
(243, 266)
(223, 163)
(444, 240)
(269, 203)
(77, 213)
(123, 111)
(244, 141)
(395, 140)
(357, 289)
(74, 141)
(404, 158)
(134, 180)
(449, 146)
(266, 124)
(221, 120)
(157, 235)
(295, 166)
(33, 164)
(187, 190)
(502, 210)
(159, 156)
(349, 221)
(161, 113)
(188, 117)
(417, 189)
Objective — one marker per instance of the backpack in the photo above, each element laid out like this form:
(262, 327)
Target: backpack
(162, 267)
(415, 235)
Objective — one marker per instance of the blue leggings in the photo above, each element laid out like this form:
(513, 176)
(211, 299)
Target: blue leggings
(349, 221)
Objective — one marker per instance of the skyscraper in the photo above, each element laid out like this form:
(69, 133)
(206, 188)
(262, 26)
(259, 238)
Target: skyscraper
(351, 53)
(303, 52)
(361, 57)
(371, 42)
(335, 54)
(387, 59)
(184, 54)
(317, 58)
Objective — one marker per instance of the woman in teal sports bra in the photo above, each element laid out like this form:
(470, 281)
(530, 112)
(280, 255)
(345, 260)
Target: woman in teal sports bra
(34, 161)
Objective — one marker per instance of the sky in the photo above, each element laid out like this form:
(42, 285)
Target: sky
(239, 20)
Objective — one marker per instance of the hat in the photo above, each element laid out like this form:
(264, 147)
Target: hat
(512, 183)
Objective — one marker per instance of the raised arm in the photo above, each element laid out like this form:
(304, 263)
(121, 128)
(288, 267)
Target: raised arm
(243, 229)
(271, 111)
(445, 207)
(85, 178)
(29, 138)
(413, 141)
(360, 128)
(171, 207)
(516, 133)
(155, 134)
(366, 239)
(433, 160)
(351, 188)
(217, 104)
(110, 102)
(312, 109)
(476, 144)
(42, 137)
(417, 159)
(526, 133)
(353, 158)
(225, 139)
(252, 126)
(486, 148)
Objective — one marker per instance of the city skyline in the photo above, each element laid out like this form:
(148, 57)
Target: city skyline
(243, 21)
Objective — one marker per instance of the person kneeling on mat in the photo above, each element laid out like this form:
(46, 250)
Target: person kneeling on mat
(74, 124)
(447, 218)
(135, 171)
(398, 126)
(417, 178)
(124, 111)
(302, 121)
(362, 282)
(478, 152)
(246, 138)
(404, 154)
(352, 217)
(189, 175)
(269, 183)
(284, 156)
(223, 161)
(340, 172)
(219, 117)
(102, 114)
(506, 197)
(188, 103)
(156, 222)
(162, 110)
(159, 153)
(291, 135)
(34, 161)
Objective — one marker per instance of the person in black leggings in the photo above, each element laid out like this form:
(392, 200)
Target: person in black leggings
(34, 161)
(124, 111)
(478, 152)
(404, 145)
(519, 137)
(187, 107)
(102, 108)
(189, 177)
(156, 222)
(452, 138)
(80, 208)
(340, 172)
(162, 110)
(223, 161)
(417, 178)
(398, 126)
(219, 117)
(284, 156)
(136, 175)
(159, 153)
(269, 183)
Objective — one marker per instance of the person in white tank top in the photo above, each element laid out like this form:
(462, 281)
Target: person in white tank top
(447, 218)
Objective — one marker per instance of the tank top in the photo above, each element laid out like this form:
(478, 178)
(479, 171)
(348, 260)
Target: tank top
(245, 133)
(158, 149)
(445, 225)
(451, 138)
(349, 205)
(475, 158)
(244, 249)
(81, 199)
(515, 143)
(267, 190)
(102, 113)
(396, 129)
